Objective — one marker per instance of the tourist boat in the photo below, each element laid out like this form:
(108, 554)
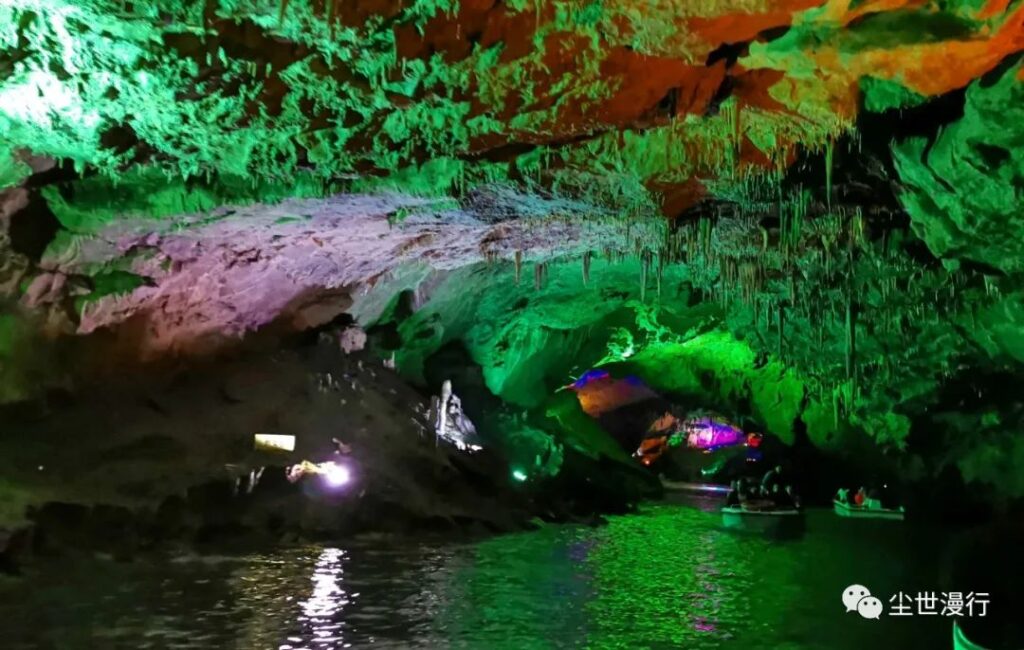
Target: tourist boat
(961, 642)
(769, 520)
(861, 512)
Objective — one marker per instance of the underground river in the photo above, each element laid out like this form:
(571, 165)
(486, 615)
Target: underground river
(667, 577)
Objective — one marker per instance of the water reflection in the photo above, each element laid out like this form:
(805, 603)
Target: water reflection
(322, 612)
(708, 601)
(667, 578)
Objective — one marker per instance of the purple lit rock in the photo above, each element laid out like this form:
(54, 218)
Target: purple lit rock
(298, 264)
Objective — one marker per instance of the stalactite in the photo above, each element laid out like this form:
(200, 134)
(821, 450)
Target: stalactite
(643, 277)
(835, 405)
(851, 339)
(856, 229)
(829, 148)
(586, 268)
(519, 266)
(705, 236)
(661, 268)
(782, 332)
(538, 275)
(737, 137)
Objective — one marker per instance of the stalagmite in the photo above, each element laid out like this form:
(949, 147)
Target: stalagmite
(519, 266)
(586, 268)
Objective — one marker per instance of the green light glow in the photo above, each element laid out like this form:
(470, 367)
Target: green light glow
(176, 104)
(186, 105)
(519, 475)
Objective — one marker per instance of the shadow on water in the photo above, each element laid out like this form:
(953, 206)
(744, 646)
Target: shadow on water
(668, 577)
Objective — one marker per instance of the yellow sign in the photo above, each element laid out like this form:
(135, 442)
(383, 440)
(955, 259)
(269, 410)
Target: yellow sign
(274, 442)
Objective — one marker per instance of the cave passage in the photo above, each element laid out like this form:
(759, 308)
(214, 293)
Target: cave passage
(524, 324)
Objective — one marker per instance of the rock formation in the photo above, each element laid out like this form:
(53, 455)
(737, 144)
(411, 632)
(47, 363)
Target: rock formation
(804, 211)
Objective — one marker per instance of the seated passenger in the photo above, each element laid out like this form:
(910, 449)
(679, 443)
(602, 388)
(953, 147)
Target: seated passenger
(732, 500)
(843, 495)
(873, 499)
(793, 497)
(772, 477)
(860, 497)
(758, 498)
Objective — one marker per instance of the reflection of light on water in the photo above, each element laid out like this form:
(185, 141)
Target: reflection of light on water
(319, 618)
(708, 601)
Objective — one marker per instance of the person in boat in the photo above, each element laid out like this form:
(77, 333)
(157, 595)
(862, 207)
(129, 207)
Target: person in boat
(778, 496)
(755, 498)
(745, 492)
(732, 500)
(784, 497)
(873, 499)
(843, 495)
(771, 477)
(793, 497)
(861, 497)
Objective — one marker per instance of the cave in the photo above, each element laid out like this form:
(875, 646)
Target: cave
(536, 323)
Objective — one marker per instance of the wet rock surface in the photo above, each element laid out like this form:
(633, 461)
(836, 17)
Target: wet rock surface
(125, 466)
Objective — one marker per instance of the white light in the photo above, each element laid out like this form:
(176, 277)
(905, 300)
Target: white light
(274, 442)
(335, 475)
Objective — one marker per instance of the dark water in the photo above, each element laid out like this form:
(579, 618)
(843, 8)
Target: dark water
(669, 577)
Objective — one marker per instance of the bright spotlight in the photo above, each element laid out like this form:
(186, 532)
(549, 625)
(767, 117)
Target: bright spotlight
(334, 474)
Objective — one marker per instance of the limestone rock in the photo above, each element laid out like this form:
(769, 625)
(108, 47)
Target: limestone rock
(352, 339)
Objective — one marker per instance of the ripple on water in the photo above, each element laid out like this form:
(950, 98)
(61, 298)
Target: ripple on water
(669, 577)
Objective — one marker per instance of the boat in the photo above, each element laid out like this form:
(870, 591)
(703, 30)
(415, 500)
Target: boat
(768, 520)
(862, 512)
(961, 642)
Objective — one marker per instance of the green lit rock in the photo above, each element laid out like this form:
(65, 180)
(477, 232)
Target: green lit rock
(491, 177)
(885, 94)
(1000, 328)
(12, 170)
(963, 190)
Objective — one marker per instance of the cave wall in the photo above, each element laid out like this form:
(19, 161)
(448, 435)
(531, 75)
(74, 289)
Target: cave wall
(189, 156)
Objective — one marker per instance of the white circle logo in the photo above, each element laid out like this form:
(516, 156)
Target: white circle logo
(858, 598)
(869, 607)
